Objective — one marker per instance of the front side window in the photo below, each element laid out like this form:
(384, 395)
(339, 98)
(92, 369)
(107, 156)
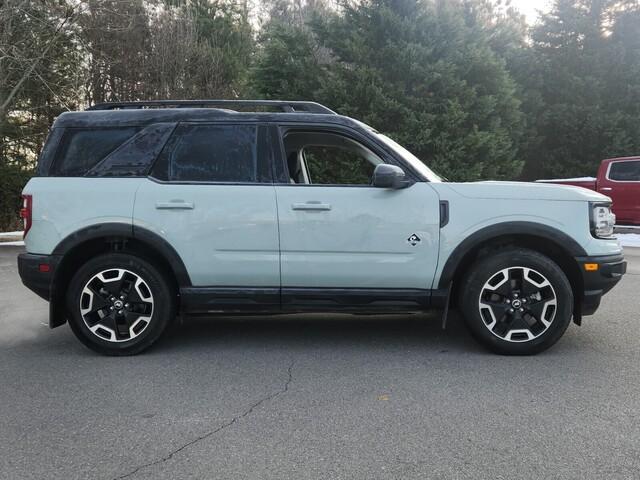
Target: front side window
(211, 153)
(625, 171)
(328, 159)
(82, 149)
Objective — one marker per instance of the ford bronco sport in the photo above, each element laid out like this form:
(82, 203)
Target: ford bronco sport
(143, 210)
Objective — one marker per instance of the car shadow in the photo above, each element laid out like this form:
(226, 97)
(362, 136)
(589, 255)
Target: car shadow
(294, 331)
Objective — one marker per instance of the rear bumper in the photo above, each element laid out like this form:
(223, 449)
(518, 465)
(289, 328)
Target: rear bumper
(599, 281)
(36, 272)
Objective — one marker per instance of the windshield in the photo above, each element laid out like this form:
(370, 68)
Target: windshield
(409, 157)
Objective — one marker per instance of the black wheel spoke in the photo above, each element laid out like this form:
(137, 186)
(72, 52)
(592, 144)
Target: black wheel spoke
(109, 322)
(519, 323)
(528, 289)
(131, 318)
(536, 309)
(504, 290)
(516, 279)
(99, 302)
(113, 287)
(122, 326)
(140, 308)
(500, 309)
(134, 297)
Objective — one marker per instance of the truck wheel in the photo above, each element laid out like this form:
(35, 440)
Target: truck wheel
(119, 304)
(516, 302)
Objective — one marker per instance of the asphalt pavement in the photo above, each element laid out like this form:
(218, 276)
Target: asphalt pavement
(319, 397)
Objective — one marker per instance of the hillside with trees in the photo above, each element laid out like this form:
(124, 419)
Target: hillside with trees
(466, 85)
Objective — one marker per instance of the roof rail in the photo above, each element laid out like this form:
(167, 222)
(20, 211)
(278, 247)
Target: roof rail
(285, 106)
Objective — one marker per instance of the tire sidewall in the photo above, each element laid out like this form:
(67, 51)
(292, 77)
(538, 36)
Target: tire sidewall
(484, 269)
(163, 308)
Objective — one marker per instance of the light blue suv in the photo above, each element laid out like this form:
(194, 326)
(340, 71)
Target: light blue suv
(143, 210)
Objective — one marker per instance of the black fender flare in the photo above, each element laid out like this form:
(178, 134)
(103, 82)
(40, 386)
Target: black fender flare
(57, 310)
(531, 229)
(126, 230)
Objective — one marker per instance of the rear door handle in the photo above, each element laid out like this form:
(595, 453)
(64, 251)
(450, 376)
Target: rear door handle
(606, 189)
(311, 206)
(175, 205)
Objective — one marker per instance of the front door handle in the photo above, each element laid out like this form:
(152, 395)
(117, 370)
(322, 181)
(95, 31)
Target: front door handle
(175, 205)
(311, 206)
(606, 189)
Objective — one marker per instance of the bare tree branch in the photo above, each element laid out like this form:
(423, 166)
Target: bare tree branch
(16, 88)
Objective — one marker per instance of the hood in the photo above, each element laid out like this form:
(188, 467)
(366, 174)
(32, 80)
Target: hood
(525, 191)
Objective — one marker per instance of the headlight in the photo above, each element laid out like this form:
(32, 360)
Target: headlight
(602, 220)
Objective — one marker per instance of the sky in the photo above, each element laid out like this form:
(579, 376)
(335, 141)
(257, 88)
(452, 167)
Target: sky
(529, 7)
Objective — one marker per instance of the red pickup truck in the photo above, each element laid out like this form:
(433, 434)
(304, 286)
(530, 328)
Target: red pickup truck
(618, 178)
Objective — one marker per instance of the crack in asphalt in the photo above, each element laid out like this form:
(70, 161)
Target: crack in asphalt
(234, 420)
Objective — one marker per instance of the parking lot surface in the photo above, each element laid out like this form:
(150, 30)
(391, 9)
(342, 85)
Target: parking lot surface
(319, 397)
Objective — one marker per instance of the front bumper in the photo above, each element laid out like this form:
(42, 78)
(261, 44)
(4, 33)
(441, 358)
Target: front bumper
(37, 271)
(599, 280)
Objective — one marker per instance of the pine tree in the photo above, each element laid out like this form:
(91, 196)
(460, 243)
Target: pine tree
(587, 54)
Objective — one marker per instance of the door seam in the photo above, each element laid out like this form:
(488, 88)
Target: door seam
(275, 194)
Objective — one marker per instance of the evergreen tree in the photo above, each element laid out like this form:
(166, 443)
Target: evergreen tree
(417, 72)
(587, 54)
(288, 66)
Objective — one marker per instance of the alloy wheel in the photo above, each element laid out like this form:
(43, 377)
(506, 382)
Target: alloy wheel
(517, 304)
(116, 305)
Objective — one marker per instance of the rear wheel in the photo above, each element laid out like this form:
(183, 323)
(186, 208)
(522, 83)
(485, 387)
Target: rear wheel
(119, 304)
(516, 302)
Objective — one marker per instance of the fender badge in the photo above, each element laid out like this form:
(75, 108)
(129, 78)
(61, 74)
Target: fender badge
(414, 240)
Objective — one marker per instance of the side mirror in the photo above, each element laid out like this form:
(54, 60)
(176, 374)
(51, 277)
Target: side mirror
(389, 176)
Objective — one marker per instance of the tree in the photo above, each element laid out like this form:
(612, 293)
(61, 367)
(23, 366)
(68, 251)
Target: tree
(587, 55)
(173, 49)
(413, 70)
(198, 49)
(39, 78)
(115, 39)
(289, 65)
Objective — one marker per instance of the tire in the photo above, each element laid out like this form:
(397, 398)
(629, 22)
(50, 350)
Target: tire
(119, 304)
(516, 302)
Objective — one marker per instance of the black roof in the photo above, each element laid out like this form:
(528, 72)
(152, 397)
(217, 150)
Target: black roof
(146, 113)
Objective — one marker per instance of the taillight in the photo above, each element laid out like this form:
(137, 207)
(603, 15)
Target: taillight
(26, 212)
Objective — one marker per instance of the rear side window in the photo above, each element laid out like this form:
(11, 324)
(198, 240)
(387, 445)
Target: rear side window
(82, 149)
(135, 157)
(211, 153)
(625, 171)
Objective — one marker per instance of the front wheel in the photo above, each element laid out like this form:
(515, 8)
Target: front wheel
(119, 304)
(516, 302)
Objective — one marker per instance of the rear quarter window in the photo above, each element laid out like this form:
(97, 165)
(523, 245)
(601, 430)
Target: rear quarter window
(81, 149)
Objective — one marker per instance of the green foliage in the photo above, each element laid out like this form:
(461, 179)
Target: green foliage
(225, 37)
(413, 70)
(287, 66)
(587, 54)
(464, 86)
